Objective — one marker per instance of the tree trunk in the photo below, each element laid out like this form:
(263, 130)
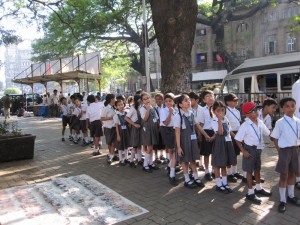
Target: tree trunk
(175, 23)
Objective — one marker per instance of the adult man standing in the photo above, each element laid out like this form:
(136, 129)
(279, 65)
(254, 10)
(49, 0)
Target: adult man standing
(7, 105)
(54, 100)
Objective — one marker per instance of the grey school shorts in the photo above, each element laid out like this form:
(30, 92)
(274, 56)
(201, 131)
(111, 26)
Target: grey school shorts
(253, 163)
(288, 160)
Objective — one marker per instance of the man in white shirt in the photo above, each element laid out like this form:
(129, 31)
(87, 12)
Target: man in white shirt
(54, 100)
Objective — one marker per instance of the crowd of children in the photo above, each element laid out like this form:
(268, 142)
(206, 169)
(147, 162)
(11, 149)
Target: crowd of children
(186, 131)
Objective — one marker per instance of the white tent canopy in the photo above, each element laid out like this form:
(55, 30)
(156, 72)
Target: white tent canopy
(209, 75)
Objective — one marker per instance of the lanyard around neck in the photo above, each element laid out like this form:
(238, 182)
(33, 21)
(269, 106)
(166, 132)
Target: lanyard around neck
(295, 131)
(257, 135)
(233, 114)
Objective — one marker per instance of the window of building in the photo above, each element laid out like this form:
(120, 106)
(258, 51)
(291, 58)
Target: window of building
(242, 27)
(270, 45)
(290, 43)
(200, 32)
(287, 80)
(201, 57)
(231, 86)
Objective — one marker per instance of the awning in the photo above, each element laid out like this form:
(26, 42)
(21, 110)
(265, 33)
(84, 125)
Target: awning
(209, 75)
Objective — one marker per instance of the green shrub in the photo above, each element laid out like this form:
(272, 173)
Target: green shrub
(12, 91)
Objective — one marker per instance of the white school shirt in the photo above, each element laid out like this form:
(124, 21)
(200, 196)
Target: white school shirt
(267, 120)
(205, 118)
(64, 109)
(252, 134)
(284, 133)
(54, 99)
(164, 113)
(197, 113)
(93, 112)
(296, 96)
(76, 111)
(108, 111)
(71, 108)
(143, 111)
(234, 117)
(116, 117)
(132, 114)
(180, 123)
(215, 126)
(83, 109)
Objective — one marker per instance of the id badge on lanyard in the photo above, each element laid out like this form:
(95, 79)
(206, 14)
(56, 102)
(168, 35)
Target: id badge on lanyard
(193, 136)
(123, 127)
(260, 143)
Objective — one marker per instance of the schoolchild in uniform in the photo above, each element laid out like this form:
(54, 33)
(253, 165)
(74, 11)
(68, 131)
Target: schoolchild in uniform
(65, 118)
(122, 131)
(83, 126)
(286, 137)
(93, 116)
(269, 107)
(223, 153)
(159, 100)
(167, 115)
(205, 121)
(71, 107)
(149, 131)
(196, 108)
(251, 133)
(133, 117)
(234, 117)
(107, 116)
(75, 123)
(130, 102)
(100, 106)
(186, 140)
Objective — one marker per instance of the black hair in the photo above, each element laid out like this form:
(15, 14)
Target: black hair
(108, 99)
(170, 95)
(62, 98)
(137, 99)
(206, 92)
(91, 98)
(129, 99)
(98, 97)
(143, 94)
(118, 101)
(98, 93)
(216, 105)
(79, 97)
(159, 95)
(179, 100)
(138, 92)
(268, 102)
(285, 100)
(72, 97)
(193, 95)
(122, 97)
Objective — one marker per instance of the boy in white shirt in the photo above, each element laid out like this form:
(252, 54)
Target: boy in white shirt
(269, 107)
(251, 134)
(286, 139)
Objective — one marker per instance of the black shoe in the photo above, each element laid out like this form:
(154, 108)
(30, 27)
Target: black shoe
(213, 175)
(162, 158)
(282, 207)
(96, 153)
(75, 141)
(177, 169)
(190, 184)
(173, 181)
(201, 168)
(153, 167)
(199, 183)
(157, 161)
(70, 138)
(115, 158)
(263, 192)
(85, 144)
(132, 165)
(140, 163)
(222, 190)
(191, 176)
(232, 178)
(166, 161)
(294, 200)
(226, 186)
(127, 161)
(62, 139)
(253, 198)
(168, 170)
(208, 177)
(147, 169)
(297, 185)
(238, 176)
(122, 163)
(109, 161)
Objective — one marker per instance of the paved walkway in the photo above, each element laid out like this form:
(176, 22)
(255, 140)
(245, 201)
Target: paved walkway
(166, 204)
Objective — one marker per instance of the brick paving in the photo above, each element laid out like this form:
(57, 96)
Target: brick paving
(166, 204)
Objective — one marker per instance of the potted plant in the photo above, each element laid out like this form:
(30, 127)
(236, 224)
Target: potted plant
(13, 144)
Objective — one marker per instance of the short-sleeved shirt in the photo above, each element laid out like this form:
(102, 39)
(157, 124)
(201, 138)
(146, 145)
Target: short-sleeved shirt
(164, 113)
(158, 109)
(296, 96)
(83, 109)
(197, 112)
(54, 99)
(108, 111)
(132, 114)
(267, 120)
(234, 117)
(226, 127)
(117, 119)
(251, 133)
(180, 122)
(143, 111)
(64, 109)
(93, 112)
(205, 118)
(287, 131)
(71, 108)
(76, 111)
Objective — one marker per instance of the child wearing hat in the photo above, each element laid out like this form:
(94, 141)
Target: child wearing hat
(251, 135)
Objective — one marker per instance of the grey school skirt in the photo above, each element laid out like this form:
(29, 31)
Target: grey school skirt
(223, 153)
(150, 133)
(110, 135)
(135, 137)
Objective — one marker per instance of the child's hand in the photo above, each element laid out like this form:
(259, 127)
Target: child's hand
(180, 152)
(148, 107)
(246, 154)
(118, 138)
(220, 115)
(136, 125)
(171, 109)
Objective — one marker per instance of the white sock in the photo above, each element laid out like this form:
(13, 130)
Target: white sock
(297, 179)
(291, 191)
(234, 169)
(282, 194)
(186, 177)
(258, 187)
(139, 154)
(245, 174)
(126, 153)
(132, 155)
(206, 171)
(172, 172)
(168, 155)
(151, 158)
(96, 150)
(250, 191)
(229, 171)
(196, 176)
(120, 155)
(218, 182)
(200, 161)
(169, 164)
(224, 180)
(86, 139)
(100, 143)
(146, 160)
(111, 156)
